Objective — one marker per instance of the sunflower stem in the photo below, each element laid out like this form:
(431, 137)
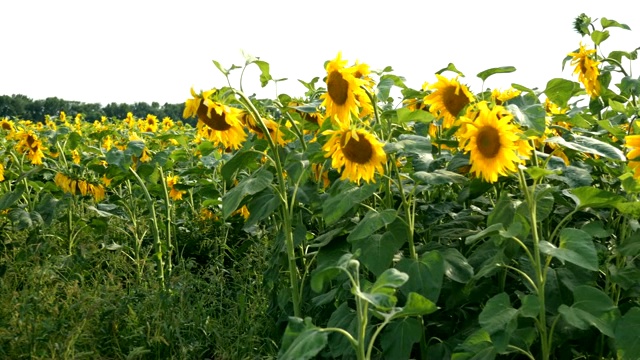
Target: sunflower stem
(294, 275)
(409, 211)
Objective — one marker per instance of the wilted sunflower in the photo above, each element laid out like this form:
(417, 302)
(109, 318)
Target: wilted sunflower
(633, 142)
(448, 99)
(223, 122)
(492, 142)
(587, 69)
(358, 151)
(344, 92)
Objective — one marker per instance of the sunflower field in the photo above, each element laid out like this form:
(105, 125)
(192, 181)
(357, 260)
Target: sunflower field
(363, 220)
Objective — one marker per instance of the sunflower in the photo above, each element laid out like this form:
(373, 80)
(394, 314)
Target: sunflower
(31, 145)
(587, 70)
(149, 124)
(272, 127)
(344, 93)
(174, 193)
(500, 96)
(358, 151)
(1, 172)
(492, 142)
(167, 123)
(75, 156)
(74, 186)
(448, 99)
(223, 122)
(633, 142)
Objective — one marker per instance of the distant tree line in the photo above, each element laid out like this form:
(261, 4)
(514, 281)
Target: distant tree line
(22, 107)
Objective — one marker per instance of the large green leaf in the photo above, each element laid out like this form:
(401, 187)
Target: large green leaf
(575, 247)
(589, 145)
(592, 307)
(377, 251)
(406, 115)
(456, 266)
(439, 177)
(253, 184)
(241, 160)
(425, 275)
(261, 206)
(345, 318)
(626, 335)
(302, 340)
(483, 75)
(397, 338)
(8, 199)
(588, 196)
(348, 196)
(559, 91)
(372, 222)
(530, 116)
(498, 315)
(417, 305)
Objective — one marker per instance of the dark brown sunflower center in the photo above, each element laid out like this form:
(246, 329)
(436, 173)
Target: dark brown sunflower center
(358, 151)
(151, 121)
(30, 140)
(215, 121)
(488, 141)
(6, 126)
(454, 102)
(312, 118)
(338, 88)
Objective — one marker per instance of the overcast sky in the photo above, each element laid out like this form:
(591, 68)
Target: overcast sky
(132, 51)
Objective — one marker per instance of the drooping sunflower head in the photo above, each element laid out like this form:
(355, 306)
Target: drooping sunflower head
(7, 125)
(492, 142)
(358, 151)
(343, 92)
(273, 127)
(221, 124)
(192, 105)
(586, 67)
(447, 99)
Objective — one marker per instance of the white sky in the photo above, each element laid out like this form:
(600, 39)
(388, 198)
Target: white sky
(134, 50)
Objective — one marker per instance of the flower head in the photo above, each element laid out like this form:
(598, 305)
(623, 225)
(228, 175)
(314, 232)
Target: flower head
(448, 99)
(358, 151)
(344, 94)
(587, 70)
(633, 142)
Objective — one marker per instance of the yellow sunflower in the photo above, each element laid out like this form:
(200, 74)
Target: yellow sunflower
(587, 70)
(633, 142)
(358, 151)
(274, 129)
(502, 96)
(448, 99)
(223, 122)
(1, 172)
(149, 124)
(492, 141)
(31, 145)
(174, 193)
(344, 93)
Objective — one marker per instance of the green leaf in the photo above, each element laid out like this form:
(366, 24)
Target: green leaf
(425, 275)
(498, 315)
(74, 140)
(612, 23)
(417, 305)
(222, 70)
(390, 278)
(626, 335)
(382, 300)
(8, 199)
(589, 145)
(530, 306)
(407, 115)
(439, 177)
(538, 173)
(599, 36)
(348, 196)
(588, 196)
(253, 184)
(20, 218)
(629, 208)
(456, 266)
(450, 67)
(327, 272)
(345, 318)
(592, 307)
(398, 338)
(385, 84)
(489, 231)
(559, 91)
(530, 116)
(261, 206)
(576, 247)
(372, 222)
(377, 251)
(265, 77)
(241, 160)
(306, 344)
(483, 75)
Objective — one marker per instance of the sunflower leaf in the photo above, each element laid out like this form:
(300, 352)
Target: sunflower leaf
(590, 146)
(612, 23)
(344, 200)
(559, 90)
(265, 77)
(253, 184)
(450, 67)
(483, 75)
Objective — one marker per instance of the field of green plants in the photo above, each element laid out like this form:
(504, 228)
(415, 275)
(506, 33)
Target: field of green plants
(452, 223)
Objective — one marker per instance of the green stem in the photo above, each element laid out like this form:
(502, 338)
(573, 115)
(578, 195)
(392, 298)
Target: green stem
(169, 205)
(287, 220)
(157, 244)
(409, 214)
